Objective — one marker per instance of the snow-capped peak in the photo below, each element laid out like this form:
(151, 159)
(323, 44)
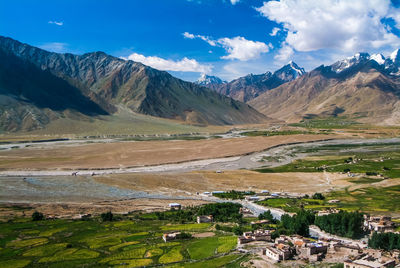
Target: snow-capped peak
(395, 55)
(379, 58)
(350, 61)
(296, 68)
(208, 80)
(290, 71)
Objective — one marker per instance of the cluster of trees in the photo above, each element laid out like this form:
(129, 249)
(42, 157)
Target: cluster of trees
(234, 194)
(296, 224)
(267, 216)
(386, 241)
(181, 216)
(222, 212)
(347, 224)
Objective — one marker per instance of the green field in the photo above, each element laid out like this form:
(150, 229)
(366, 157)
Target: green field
(328, 123)
(276, 133)
(383, 163)
(374, 200)
(129, 242)
(295, 204)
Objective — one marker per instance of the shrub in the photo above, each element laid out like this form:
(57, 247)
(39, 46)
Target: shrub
(37, 216)
(107, 216)
(318, 196)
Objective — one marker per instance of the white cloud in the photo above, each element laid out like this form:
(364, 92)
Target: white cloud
(274, 31)
(188, 35)
(184, 65)
(334, 24)
(58, 23)
(55, 47)
(234, 2)
(242, 49)
(237, 48)
(284, 53)
(207, 39)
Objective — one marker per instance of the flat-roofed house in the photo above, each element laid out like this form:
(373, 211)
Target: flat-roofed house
(205, 218)
(276, 254)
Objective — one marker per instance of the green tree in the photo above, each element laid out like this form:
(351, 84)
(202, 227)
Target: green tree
(318, 196)
(37, 216)
(108, 216)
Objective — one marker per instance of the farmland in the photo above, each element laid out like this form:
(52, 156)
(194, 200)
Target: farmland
(130, 241)
(368, 199)
(383, 163)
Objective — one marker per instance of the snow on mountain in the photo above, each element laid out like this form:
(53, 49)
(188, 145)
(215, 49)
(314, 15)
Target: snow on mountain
(289, 72)
(205, 80)
(342, 65)
(379, 58)
(395, 55)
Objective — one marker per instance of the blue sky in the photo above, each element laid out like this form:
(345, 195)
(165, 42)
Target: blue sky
(227, 38)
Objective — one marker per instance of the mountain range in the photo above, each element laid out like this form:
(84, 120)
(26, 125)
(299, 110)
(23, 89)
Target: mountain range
(250, 86)
(363, 87)
(38, 87)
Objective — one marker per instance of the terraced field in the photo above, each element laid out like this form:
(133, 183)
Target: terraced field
(128, 242)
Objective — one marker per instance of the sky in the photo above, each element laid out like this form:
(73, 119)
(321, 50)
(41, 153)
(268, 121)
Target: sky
(225, 38)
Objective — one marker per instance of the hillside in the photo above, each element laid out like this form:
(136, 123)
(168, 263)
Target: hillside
(47, 86)
(358, 87)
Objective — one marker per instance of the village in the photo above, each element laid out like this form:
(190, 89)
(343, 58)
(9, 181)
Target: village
(318, 247)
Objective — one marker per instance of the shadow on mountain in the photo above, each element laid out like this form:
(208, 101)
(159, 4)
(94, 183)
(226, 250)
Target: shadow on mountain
(24, 81)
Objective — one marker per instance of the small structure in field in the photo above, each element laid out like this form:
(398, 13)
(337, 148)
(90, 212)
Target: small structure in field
(243, 211)
(258, 235)
(174, 206)
(170, 236)
(252, 198)
(204, 218)
(328, 212)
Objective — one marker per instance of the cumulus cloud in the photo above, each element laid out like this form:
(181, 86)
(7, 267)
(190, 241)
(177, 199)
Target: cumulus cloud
(242, 49)
(237, 48)
(284, 53)
(333, 24)
(184, 65)
(274, 31)
(58, 23)
(234, 2)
